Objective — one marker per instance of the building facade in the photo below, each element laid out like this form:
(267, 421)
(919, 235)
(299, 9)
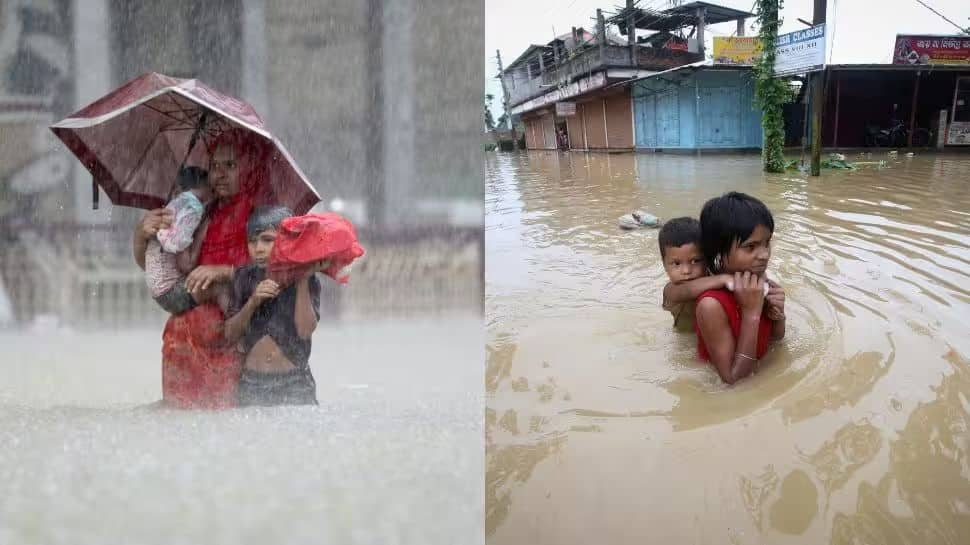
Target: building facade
(697, 107)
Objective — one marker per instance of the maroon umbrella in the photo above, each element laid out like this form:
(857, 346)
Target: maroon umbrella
(135, 139)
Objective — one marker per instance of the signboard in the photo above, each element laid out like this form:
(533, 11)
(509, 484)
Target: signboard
(958, 133)
(741, 50)
(800, 51)
(565, 109)
(931, 49)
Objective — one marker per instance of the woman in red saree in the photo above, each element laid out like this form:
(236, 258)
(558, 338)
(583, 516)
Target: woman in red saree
(199, 369)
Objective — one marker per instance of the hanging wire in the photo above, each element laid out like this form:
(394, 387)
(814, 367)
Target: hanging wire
(927, 6)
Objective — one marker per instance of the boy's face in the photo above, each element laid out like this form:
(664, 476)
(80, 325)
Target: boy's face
(261, 245)
(684, 263)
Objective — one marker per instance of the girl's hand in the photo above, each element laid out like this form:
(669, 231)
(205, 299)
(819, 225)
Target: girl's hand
(203, 276)
(776, 301)
(749, 291)
(267, 289)
(155, 220)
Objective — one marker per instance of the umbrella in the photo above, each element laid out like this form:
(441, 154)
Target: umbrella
(135, 139)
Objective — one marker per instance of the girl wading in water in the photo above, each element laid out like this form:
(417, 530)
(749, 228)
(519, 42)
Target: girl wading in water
(734, 329)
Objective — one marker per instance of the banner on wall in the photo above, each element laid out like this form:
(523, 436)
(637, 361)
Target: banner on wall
(739, 51)
(914, 49)
(800, 51)
(565, 109)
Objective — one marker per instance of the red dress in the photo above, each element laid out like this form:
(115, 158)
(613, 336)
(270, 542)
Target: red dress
(730, 305)
(199, 370)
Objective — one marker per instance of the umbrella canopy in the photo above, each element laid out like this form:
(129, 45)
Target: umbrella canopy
(134, 140)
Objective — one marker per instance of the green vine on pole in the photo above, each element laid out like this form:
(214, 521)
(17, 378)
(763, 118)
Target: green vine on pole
(771, 93)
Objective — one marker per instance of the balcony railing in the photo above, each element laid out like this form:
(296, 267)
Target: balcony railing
(589, 61)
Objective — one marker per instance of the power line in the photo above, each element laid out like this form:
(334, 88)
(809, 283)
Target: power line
(927, 6)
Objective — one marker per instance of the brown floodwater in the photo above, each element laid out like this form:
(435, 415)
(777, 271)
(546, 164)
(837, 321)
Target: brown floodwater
(603, 427)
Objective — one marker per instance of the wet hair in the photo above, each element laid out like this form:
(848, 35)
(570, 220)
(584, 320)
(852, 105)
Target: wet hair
(729, 219)
(677, 232)
(192, 177)
(266, 217)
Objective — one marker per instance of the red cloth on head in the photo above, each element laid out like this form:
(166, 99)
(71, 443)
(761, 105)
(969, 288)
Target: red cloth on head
(730, 305)
(304, 240)
(225, 238)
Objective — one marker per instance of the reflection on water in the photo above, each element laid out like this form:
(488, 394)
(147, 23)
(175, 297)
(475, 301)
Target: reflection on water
(602, 426)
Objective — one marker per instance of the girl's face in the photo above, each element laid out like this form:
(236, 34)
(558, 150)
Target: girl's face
(751, 254)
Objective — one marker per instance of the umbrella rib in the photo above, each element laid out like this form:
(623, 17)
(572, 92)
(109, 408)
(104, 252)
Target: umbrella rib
(144, 154)
(172, 128)
(166, 114)
(187, 111)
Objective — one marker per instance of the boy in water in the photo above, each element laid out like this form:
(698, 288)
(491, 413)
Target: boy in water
(273, 324)
(166, 259)
(686, 269)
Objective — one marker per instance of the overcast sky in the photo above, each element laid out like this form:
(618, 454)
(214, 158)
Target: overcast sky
(863, 30)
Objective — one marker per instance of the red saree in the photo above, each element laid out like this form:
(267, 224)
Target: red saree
(199, 370)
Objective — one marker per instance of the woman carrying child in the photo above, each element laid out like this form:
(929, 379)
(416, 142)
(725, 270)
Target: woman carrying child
(199, 369)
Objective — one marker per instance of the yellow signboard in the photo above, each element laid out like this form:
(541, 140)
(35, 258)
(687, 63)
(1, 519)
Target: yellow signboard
(742, 50)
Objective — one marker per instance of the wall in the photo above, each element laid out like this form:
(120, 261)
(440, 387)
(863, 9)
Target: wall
(619, 121)
(594, 122)
(574, 126)
(666, 114)
(607, 122)
(540, 131)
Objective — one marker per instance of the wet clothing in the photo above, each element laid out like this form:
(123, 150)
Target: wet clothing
(275, 317)
(733, 310)
(295, 387)
(177, 299)
(161, 270)
(199, 369)
(304, 240)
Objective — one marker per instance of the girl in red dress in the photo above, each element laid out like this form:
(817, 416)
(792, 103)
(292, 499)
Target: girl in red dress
(734, 328)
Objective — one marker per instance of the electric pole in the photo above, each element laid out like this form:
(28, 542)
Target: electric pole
(505, 100)
(818, 99)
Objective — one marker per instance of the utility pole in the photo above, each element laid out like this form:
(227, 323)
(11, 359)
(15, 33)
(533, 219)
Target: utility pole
(631, 34)
(505, 100)
(701, 15)
(818, 99)
(601, 34)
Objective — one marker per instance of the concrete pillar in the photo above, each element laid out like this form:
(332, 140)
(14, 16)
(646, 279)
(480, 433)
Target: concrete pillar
(93, 78)
(400, 96)
(255, 58)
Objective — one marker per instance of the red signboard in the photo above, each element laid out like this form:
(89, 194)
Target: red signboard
(931, 49)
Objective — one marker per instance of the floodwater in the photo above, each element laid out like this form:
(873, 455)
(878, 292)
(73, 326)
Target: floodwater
(392, 455)
(602, 427)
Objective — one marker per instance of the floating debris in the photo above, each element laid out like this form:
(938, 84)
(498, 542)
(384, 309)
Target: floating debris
(638, 219)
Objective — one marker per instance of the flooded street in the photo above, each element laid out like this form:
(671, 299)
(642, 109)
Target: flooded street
(603, 427)
(392, 455)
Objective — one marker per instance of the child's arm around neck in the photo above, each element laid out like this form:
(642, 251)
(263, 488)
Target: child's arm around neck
(676, 293)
